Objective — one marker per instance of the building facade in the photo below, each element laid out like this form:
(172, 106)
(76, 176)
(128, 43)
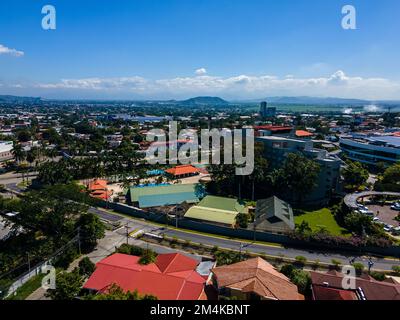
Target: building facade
(371, 150)
(276, 150)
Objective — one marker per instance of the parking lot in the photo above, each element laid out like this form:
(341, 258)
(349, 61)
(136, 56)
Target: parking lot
(385, 214)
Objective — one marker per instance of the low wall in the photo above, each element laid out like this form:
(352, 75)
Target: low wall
(246, 234)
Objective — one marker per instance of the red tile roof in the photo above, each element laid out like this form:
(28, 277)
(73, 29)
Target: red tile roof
(324, 293)
(171, 277)
(273, 128)
(97, 184)
(303, 133)
(372, 289)
(182, 170)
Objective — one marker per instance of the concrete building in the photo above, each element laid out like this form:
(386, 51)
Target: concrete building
(267, 112)
(276, 150)
(6, 148)
(372, 149)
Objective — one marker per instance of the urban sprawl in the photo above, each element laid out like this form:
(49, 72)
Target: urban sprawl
(79, 198)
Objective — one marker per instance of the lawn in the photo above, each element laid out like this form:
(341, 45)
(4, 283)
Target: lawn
(27, 288)
(321, 218)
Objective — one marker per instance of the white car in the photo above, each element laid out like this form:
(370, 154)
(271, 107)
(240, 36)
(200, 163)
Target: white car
(396, 207)
(376, 219)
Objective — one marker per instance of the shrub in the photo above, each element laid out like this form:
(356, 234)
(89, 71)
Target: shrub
(379, 276)
(301, 261)
(396, 270)
(336, 263)
(359, 267)
(86, 267)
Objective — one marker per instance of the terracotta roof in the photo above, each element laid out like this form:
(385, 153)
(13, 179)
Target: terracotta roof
(182, 170)
(258, 276)
(171, 277)
(273, 128)
(372, 289)
(324, 293)
(303, 133)
(97, 184)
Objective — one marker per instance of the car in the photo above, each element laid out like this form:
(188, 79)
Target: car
(386, 229)
(376, 219)
(394, 207)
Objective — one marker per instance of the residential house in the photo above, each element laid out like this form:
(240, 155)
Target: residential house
(273, 215)
(329, 286)
(254, 279)
(171, 277)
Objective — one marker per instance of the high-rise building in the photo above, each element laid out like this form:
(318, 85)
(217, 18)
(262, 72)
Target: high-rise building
(267, 112)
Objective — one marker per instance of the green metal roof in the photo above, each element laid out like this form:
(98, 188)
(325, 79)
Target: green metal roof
(137, 192)
(212, 215)
(222, 203)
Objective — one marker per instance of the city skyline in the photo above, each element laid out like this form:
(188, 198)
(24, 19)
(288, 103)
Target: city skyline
(179, 49)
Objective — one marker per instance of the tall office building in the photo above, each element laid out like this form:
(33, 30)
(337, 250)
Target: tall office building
(267, 112)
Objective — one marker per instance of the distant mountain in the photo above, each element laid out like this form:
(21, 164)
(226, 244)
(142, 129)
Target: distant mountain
(17, 99)
(199, 101)
(315, 101)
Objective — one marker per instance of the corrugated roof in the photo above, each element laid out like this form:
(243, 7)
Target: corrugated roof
(136, 192)
(212, 215)
(222, 203)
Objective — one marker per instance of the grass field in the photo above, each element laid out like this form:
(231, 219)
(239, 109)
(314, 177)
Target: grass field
(26, 289)
(321, 218)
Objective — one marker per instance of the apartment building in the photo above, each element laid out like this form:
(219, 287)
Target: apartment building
(277, 148)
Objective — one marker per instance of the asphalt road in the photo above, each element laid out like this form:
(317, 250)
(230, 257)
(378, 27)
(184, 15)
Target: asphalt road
(288, 252)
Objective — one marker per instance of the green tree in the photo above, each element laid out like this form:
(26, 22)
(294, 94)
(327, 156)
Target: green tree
(90, 229)
(298, 175)
(116, 293)
(390, 180)
(242, 220)
(86, 267)
(68, 286)
(354, 175)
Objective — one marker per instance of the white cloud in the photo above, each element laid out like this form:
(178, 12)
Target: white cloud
(200, 72)
(242, 86)
(13, 52)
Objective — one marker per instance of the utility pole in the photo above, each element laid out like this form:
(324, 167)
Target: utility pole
(127, 232)
(29, 263)
(79, 239)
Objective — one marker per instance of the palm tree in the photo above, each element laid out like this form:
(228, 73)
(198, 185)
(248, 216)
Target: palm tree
(18, 153)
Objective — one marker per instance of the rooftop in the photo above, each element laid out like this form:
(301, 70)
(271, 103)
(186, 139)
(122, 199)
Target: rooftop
(171, 277)
(257, 276)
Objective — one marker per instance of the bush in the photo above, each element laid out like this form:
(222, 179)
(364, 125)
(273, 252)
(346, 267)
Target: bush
(129, 249)
(86, 267)
(148, 256)
(336, 263)
(359, 267)
(299, 277)
(396, 270)
(379, 276)
(301, 261)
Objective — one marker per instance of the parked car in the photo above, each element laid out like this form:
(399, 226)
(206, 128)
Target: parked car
(396, 206)
(376, 219)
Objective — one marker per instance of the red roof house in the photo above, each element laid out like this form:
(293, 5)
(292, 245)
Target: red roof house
(183, 171)
(303, 134)
(98, 189)
(171, 277)
(328, 286)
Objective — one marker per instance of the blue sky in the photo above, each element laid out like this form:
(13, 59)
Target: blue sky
(240, 49)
